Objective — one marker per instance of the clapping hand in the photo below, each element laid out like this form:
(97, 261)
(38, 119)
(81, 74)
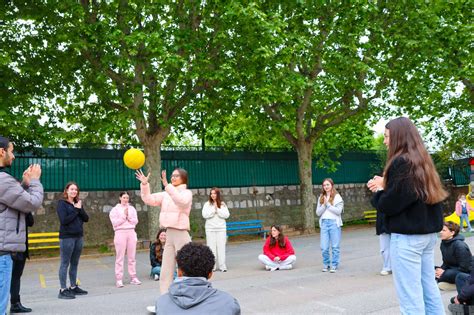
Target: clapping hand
(375, 183)
(163, 178)
(141, 177)
(78, 204)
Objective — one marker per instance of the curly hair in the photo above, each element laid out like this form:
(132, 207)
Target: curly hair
(195, 260)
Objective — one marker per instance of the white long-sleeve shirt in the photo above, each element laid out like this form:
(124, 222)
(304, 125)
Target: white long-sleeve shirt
(215, 217)
(331, 211)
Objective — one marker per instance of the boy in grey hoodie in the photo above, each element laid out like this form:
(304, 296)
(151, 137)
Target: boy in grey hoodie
(191, 292)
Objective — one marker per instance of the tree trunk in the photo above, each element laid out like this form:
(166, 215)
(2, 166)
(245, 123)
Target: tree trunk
(152, 147)
(304, 151)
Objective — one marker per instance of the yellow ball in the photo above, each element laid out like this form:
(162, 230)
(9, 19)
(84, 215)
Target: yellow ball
(134, 158)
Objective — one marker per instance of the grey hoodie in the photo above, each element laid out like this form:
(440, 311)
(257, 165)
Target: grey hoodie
(195, 295)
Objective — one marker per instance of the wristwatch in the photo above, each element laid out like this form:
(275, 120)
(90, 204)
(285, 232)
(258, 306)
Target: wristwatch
(379, 189)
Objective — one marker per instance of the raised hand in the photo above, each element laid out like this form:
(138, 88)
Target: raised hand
(141, 177)
(35, 171)
(163, 178)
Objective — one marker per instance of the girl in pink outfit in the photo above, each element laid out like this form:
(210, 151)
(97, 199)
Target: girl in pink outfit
(124, 219)
(175, 204)
(462, 210)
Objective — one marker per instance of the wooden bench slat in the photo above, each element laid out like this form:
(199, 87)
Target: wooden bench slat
(45, 234)
(43, 247)
(43, 240)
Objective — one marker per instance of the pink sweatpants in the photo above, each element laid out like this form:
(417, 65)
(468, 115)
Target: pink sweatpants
(125, 241)
(175, 239)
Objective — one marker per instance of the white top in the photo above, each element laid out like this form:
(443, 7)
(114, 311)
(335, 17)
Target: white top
(331, 211)
(215, 217)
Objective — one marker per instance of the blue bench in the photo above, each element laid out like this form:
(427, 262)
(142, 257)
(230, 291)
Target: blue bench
(246, 227)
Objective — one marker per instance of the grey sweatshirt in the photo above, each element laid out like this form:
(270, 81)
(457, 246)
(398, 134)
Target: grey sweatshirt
(195, 295)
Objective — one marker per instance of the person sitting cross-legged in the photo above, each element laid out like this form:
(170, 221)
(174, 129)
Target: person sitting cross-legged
(278, 254)
(191, 292)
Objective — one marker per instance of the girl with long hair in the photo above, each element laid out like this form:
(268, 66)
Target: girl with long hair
(409, 195)
(278, 253)
(329, 208)
(216, 212)
(175, 204)
(124, 218)
(156, 253)
(71, 218)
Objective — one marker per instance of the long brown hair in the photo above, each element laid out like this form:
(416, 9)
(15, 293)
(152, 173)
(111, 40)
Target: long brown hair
(76, 199)
(281, 237)
(218, 197)
(405, 142)
(159, 246)
(332, 194)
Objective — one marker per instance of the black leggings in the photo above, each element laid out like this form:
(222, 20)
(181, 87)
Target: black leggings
(17, 271)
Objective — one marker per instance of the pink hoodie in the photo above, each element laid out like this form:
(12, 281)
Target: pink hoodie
(120, 221)
(175, 205)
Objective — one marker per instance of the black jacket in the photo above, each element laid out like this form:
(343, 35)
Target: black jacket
(456, 254)
(405, 212)
(467, 292)
(153, 261)
(71, 220)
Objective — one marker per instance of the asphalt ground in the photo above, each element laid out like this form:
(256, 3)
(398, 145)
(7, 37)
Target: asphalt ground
(356, 288)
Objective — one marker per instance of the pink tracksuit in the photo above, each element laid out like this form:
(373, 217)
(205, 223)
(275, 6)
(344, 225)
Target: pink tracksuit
(125, 238)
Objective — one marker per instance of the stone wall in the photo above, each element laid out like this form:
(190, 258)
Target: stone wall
(272, 204)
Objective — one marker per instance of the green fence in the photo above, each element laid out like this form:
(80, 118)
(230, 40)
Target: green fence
(102, 169)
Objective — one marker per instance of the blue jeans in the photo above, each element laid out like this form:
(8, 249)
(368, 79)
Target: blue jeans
(155, 270)
(413, 273)
(70, 250)
(6, 265)
(330, 235)
(465, 217)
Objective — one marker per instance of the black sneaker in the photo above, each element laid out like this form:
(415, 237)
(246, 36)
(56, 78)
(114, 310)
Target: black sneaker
(18, 308)
(78, 291)
(66, 294)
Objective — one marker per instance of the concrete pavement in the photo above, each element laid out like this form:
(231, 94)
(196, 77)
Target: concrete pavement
(357, 287)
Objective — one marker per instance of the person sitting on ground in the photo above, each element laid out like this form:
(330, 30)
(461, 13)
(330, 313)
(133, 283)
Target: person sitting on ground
(278, 254)
(156, 254)
(456, 256)
(463, 303)
(191, 292)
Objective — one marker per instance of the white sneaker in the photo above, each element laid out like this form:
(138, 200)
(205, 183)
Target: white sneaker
(156, 277)
(151, 309)
(267, 267)
(333, 269)
(135, 281)
(274, 268)
(445, 286)
(385, 272)
(286, 267)
(119, 284)
(325, 269)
